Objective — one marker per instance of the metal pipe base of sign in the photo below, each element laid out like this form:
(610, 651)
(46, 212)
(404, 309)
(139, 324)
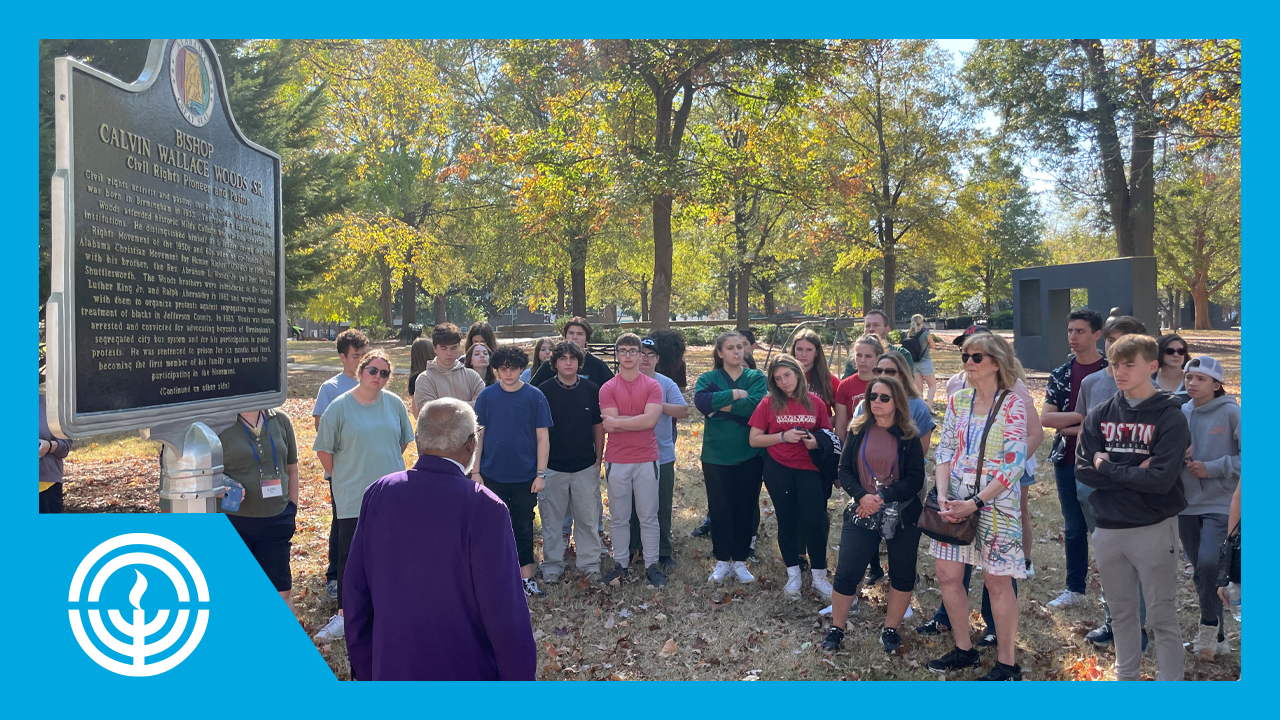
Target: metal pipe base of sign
(191, 478)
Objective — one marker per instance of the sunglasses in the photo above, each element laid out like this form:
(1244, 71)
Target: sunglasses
(884, 371)
(880, 397)
(375, 371)
(1175, 351)
(977, 358)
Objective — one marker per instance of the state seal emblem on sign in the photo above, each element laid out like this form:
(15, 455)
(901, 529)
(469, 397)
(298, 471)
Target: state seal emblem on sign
(184, 622)
(191, 76)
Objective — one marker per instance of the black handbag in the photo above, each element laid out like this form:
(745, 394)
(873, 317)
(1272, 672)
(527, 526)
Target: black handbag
(1229, 559)
(931, 523)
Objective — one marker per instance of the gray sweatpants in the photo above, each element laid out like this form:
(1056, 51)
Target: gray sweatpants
(1082, 493)
(1202, 537)
(1146, 555)
(640, 480)
(579, 491)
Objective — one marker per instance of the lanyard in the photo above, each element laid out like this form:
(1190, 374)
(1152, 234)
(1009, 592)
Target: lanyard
(266, 429)
(870, 472)
(968, 436)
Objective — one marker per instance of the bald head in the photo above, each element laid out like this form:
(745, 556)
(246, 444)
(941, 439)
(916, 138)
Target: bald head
(447, 428)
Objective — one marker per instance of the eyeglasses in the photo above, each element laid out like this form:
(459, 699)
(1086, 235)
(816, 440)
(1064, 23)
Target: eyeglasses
(375, 371)
(1175, 351)
(628, 352)
(881, 397)
(977, 358)
(884, 371)
(649, 356)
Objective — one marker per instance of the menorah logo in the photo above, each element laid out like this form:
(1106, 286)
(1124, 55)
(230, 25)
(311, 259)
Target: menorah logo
(137, 629)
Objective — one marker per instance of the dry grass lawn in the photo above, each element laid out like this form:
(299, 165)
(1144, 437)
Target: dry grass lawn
(691, 630)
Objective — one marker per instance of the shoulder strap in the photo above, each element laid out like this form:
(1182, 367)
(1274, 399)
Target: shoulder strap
(982, 448)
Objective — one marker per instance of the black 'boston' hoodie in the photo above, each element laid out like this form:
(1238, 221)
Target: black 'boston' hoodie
(1126, 495)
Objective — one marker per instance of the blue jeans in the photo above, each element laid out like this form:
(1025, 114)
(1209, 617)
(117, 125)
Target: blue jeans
(987, 617)
(1076, 532)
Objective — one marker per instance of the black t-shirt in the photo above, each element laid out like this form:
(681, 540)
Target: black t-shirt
(575, 412)
(593, 369)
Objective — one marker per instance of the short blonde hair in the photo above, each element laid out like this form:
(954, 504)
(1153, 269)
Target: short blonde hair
(997, 348)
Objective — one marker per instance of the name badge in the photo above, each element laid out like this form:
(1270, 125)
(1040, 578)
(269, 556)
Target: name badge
(968, 484)
(271, 487)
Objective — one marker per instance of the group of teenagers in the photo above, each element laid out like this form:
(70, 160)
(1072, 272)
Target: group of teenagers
(1147, 452)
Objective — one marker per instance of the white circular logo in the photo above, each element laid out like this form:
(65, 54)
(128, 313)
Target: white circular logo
(191, 76)
(137, 629)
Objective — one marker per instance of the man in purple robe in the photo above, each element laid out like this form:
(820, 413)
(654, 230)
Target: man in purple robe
(432, 588)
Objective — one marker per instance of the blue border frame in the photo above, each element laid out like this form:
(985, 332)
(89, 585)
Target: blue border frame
(49, 676)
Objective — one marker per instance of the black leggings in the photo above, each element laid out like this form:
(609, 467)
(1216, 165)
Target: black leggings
(859, 547)
(521, 504)
(733, 492)
(346, 531)
(798, 500)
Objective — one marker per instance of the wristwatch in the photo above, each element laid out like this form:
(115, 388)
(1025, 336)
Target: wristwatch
(978, 502)
(542, 473)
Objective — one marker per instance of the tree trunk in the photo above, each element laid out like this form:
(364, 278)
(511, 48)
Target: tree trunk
(578, 274)
(409, 301)
(1110, 152)
(890, 273)
(1142, 176)
(733, 295)
(662, 250)
(1200, 296)
(611, 313)
(744, 297)
(1177, 310)
(867, 290)
(644, 300)
(385, 295)
(560, 295)
(770, 308)
(441, 307)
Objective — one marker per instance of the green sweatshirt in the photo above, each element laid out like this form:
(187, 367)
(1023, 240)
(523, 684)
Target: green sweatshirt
(724, 438)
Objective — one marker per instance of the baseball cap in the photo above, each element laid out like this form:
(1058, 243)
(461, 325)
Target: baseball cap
(652, 345)
(1207, 366)
(972, 329)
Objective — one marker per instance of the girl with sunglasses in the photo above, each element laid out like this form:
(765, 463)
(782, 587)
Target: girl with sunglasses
(783, 423)
(882, 462)
(991, 490)
(1173, 361)
(362, 437)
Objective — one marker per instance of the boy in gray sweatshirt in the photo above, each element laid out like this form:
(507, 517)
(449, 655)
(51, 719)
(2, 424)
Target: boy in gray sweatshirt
(1210, 474)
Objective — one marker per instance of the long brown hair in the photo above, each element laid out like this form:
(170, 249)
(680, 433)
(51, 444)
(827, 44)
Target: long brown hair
(717, 362)
(901, 410)
(422, 353)
(489, 376)
(780, 399)
(820, 382)
(900, 363)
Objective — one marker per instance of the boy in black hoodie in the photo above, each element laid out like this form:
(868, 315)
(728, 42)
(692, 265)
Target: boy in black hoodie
(1130, 451)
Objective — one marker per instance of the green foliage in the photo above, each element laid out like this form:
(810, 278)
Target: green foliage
(959, 322)
(1002, 320)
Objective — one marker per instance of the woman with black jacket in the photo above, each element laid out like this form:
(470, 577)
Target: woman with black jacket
(882, 468)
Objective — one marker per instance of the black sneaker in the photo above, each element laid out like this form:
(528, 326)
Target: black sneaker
(618, 573)
(1101, 635)
(804, 563)
(655, 576)
(1003, 672)
(702, 530)
(667, 563)
(832, 642)
(531, 588)
(874, 574)
(933, 627)
(751, 556)
(957, 659)
(331, 589)
(889, 638)
(988, 638)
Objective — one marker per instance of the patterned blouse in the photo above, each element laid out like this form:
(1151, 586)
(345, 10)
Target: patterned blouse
(1006, 446)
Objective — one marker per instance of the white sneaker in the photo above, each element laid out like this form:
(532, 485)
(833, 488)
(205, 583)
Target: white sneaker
(742, 573)
(335, 630)
(820, 583)
(722, 569)
(792, 588)
(1067, 599)
(828, 610)
(1031, 571)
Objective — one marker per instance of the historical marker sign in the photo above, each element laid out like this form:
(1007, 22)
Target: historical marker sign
(168, 262)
